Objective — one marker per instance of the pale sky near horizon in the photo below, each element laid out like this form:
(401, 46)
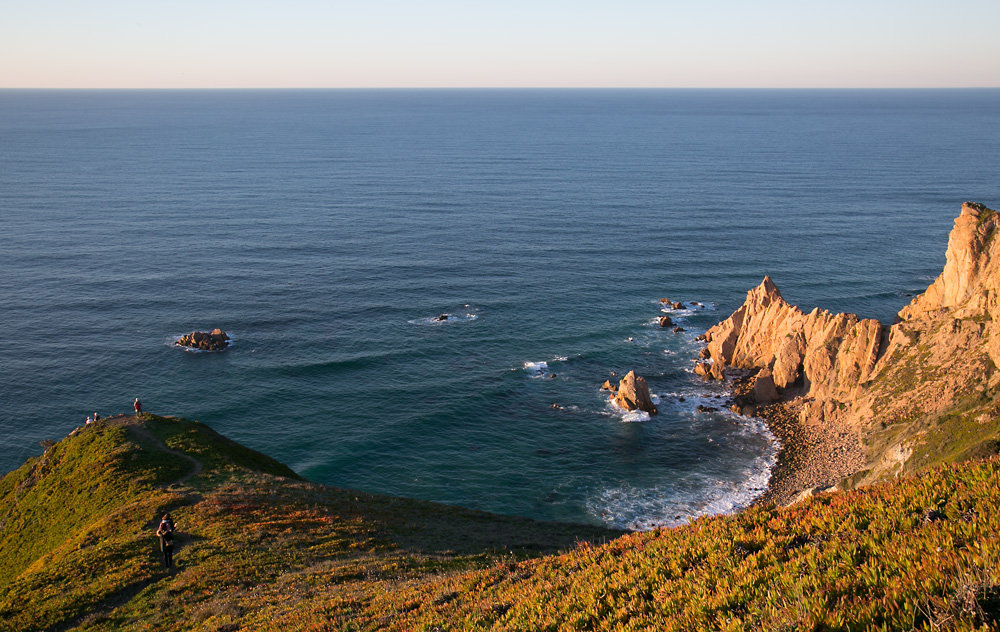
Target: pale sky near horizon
(515, 43)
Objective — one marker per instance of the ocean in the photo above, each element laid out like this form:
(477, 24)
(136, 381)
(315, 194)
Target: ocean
(327, 230)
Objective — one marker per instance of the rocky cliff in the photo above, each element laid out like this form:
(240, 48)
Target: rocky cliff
(818, 354)
(918, 392)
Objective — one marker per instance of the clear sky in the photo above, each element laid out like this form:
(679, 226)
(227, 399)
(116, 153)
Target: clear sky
(504, 43)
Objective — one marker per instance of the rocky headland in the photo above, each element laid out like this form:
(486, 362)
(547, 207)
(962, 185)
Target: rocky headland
(855, 400)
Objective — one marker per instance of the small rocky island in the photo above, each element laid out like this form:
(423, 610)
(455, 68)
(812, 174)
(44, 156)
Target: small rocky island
(217, 340)
(632, 393)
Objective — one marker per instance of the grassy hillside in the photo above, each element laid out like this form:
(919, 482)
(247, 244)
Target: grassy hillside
(263, 550)
(77, 544)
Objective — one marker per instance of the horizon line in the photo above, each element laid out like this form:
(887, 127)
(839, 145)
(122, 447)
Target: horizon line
(608, 88)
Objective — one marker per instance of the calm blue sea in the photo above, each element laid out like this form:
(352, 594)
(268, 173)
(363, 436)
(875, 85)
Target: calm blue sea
(325, 230)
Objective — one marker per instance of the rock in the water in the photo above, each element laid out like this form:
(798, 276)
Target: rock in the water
(747, 410)
(666, 322)
(709, 370)
(633, 394)
(678, 330)
(217, 340)
(666, 302)
(441, 318)
(608, 386)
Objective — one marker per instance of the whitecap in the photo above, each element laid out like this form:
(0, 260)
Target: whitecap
(445, 319)
(537, 369)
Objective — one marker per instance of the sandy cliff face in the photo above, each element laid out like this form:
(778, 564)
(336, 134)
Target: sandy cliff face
(908, 389)
(969, 287)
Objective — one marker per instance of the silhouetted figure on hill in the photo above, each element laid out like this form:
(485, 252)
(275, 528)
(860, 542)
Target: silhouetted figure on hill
(137, 406)
(166, 534)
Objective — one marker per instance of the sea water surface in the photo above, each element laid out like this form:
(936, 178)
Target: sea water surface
(327, 230)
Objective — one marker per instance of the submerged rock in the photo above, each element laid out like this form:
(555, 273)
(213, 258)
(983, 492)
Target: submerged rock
(216, 340)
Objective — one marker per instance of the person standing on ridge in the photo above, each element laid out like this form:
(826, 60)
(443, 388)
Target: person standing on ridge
(137, 406)
(166, 534)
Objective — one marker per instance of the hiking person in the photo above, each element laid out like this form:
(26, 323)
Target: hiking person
(166, 534)
(137, 405)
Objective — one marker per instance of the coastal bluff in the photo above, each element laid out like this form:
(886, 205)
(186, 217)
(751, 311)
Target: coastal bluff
(260, 549)
(896, 397)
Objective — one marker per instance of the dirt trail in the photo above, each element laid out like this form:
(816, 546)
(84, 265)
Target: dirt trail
(133, 425)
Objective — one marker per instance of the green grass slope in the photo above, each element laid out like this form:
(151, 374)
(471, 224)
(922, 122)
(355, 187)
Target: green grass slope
(263, 550)
(78, 550)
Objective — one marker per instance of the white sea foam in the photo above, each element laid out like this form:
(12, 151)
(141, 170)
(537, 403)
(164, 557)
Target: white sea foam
(445, 319)
(625, 415)
(537, 369)
(540, 368)
(635, 416)
(667, 505)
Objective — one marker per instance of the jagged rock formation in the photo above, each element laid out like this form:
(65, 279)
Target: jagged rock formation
(825, 355)
(921, 391)
(633, 394)
(204, 341)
